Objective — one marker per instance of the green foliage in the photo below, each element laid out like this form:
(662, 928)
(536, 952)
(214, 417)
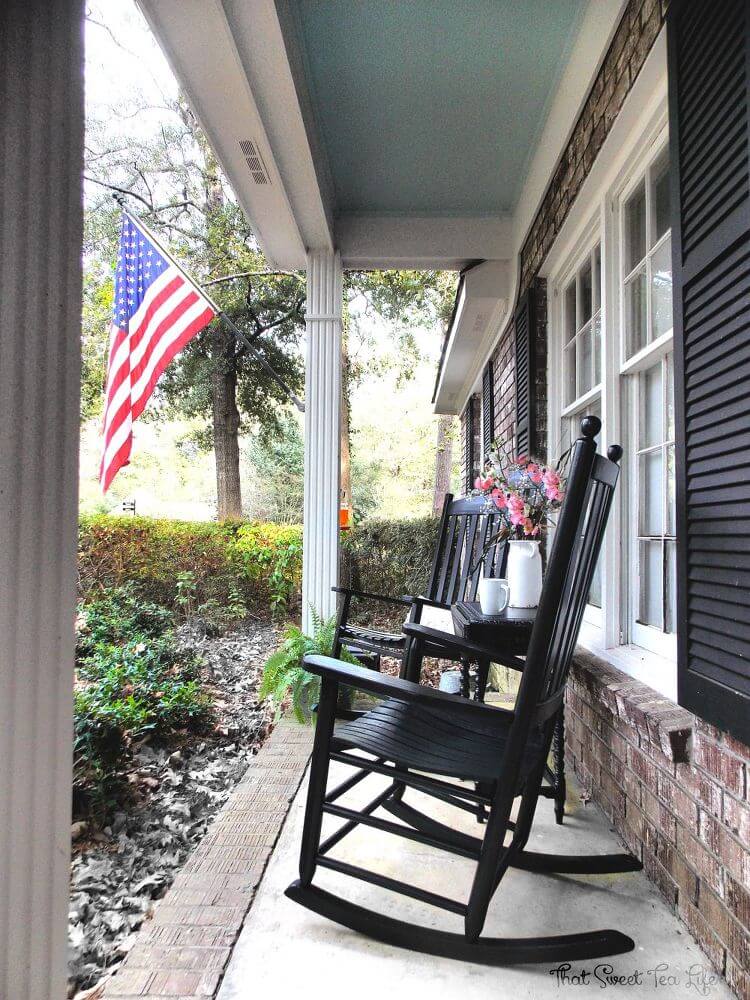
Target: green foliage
(218, 571)
(277, 488)
(284, 675)
(131, 683)
(271, 555)
(390, 557)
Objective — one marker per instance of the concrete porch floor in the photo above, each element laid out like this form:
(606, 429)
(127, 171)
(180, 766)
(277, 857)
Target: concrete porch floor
(284, 950)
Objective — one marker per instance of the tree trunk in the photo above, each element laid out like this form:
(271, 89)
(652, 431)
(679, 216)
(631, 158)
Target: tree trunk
(443, 462)
(226, 425)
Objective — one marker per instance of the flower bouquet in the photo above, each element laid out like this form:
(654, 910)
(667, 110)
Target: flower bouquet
(527, 494)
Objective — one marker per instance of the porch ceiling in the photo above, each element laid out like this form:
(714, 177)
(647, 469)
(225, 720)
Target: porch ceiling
(431, 106)
(400, 133)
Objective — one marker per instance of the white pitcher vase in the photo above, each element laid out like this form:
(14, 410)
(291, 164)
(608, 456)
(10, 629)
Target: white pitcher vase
(524, 574)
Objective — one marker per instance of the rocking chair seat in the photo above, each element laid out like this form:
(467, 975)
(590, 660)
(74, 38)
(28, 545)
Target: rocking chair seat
(371, 638)
(434, 740)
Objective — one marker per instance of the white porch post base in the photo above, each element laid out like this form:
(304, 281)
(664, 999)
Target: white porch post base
(322, 435)
(41, 137)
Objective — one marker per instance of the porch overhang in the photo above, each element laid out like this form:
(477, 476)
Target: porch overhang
(399, 135)
(482, 300)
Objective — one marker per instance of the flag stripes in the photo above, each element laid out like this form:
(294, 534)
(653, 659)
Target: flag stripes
(156, 310)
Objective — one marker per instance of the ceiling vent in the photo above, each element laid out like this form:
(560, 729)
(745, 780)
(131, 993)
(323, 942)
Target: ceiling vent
(254, 161)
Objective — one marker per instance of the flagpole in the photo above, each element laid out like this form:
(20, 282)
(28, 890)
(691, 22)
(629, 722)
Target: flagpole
(244, 340)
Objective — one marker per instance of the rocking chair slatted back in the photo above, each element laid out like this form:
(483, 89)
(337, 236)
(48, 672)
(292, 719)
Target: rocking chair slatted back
(466, 527)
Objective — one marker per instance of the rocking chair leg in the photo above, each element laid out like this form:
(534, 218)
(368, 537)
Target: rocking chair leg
(317, 783)
(558, 755)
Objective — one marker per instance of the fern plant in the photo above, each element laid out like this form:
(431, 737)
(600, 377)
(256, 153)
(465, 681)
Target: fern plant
(284, 675)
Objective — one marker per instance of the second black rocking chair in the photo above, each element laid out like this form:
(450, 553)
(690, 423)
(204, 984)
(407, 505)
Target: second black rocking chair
(465, 754)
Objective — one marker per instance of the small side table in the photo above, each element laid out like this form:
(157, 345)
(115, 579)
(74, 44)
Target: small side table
(510, 631)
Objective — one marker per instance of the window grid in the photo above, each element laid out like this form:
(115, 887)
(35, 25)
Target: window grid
(653, 440)
(582, 324)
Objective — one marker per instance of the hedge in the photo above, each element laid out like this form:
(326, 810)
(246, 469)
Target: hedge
(238, 562)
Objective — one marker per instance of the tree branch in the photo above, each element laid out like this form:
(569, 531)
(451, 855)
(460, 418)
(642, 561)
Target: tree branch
(253, 274)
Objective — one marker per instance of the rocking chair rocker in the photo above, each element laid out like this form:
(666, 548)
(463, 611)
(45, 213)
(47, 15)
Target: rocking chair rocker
(420, 738)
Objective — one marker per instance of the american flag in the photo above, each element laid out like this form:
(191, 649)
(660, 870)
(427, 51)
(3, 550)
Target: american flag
(156, 310)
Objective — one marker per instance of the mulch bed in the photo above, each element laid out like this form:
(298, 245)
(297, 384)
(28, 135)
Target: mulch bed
(118, 872)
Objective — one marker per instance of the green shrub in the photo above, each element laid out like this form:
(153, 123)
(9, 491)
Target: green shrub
(131, 682)
(390, 557)
(219, 570)
(271, 555)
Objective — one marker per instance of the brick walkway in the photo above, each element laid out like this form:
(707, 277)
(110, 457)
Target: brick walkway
(183, 951)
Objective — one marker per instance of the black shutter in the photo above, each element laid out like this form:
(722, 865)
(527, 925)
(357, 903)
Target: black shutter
(469, 447)
(709, 102)
(525, 328)
(488, 408)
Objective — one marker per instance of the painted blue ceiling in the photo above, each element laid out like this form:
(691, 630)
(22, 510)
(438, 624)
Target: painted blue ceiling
(432, 106)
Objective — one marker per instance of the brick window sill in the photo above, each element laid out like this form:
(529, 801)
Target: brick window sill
(656, 719)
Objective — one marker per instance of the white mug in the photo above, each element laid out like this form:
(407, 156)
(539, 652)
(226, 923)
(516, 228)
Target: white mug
(494, 595)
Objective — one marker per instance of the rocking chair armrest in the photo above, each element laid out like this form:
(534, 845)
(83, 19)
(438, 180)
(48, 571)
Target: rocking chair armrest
(420, 602)
(403, 599)
(394, 687)
(457, 643)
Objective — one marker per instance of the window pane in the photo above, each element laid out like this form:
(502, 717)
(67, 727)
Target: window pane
(650, 481)
(660, 195)
(670, 600)
(585, 361)
(670, 397)
(661, 290)
(650, 423)
(595, 593)
(649, 610)
(586, 295)
(671, 528)
(635, 227)
(597, 277)
(597, 349)
(569, 372)
(570, 311)
(635, 313)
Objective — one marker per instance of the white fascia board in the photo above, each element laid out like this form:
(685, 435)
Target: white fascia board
(483, 303)
(419, 241)
(259, 37)
(198, 42)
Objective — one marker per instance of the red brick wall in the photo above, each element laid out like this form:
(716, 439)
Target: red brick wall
(640, 24)
(676, 790)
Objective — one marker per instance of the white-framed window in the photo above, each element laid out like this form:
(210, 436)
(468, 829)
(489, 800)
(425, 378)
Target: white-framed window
(647, 401)
(582, 326)
(610, 316)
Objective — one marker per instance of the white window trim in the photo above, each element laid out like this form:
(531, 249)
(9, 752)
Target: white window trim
(605, 631)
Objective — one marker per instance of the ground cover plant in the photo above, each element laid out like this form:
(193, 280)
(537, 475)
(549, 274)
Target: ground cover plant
(132, 684)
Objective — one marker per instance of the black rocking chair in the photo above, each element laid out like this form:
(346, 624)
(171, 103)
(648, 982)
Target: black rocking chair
(466, 526)
(421, 738)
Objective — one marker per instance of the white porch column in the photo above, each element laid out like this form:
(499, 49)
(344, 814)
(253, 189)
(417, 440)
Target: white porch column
(322, 414)
(41, 159)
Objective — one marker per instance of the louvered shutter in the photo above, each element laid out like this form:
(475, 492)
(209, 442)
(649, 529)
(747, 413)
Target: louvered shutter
(469, 447)
(709, 101)
(488, 408)
(525, 375)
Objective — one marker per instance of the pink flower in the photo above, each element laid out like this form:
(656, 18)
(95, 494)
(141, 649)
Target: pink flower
(483, 484)
(521, 460)
(535, 473)
(499, 497)
(528, 526)
(517, 509)
(551, 482)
